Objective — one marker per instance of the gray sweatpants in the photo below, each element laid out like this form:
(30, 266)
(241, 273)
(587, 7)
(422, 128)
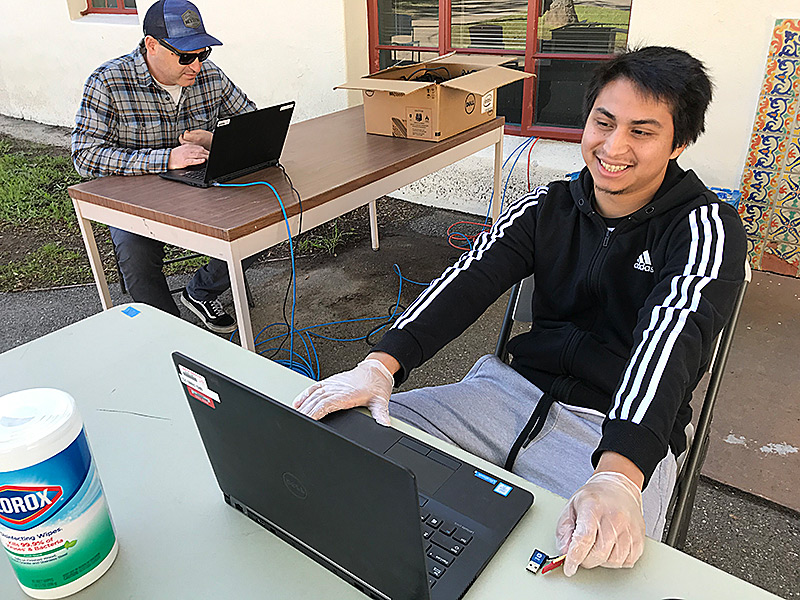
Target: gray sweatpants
(485, 412)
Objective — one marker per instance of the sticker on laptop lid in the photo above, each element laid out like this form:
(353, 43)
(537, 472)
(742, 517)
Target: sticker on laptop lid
(503, 489)
(197, 383)
(223, 122)
(485, 477)
(200, 396)
(130, 311)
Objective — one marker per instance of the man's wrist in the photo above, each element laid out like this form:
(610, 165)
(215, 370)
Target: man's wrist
(159, 160)
(611, 461)
(388, 361)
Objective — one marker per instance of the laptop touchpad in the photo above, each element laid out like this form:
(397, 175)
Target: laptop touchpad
(430, 473)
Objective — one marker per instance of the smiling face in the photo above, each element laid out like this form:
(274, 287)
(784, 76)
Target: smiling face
(627, 145)
(164, 65)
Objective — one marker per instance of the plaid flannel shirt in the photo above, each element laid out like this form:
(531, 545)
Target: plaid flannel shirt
(127, 124)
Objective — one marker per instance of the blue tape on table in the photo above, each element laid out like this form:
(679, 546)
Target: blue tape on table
(130, 311)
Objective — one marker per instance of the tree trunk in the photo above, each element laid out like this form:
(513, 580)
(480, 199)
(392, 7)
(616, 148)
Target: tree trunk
(558, 13)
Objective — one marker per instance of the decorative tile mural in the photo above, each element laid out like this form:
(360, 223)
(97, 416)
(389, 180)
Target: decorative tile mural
(770, 191)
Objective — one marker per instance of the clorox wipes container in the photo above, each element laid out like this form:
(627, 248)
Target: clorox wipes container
(54, 521)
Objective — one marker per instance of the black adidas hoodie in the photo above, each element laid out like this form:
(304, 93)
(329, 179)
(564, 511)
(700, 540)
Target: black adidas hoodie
(624, 320)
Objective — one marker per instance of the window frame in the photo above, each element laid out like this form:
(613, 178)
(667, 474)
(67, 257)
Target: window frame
(531, 56)
(119, 10)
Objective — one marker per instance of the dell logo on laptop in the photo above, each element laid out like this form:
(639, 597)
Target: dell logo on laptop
(293, 484)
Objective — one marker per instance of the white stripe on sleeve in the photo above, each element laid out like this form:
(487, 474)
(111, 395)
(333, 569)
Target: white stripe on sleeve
(484, 242)
(668, 319)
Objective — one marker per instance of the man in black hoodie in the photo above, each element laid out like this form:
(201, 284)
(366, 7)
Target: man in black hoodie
(636, 266)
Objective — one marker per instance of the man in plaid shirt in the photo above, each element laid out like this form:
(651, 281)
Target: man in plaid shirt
(152, 110)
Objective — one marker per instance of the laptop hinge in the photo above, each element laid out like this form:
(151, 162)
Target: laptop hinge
(246, 171)
(301, 545)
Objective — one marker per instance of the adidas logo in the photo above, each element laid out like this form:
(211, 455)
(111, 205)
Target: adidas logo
(643, 262)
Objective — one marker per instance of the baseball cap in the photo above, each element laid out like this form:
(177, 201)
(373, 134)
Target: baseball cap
(178, 23)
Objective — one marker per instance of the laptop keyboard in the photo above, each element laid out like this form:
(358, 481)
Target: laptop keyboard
(199, 175)
(447, 541)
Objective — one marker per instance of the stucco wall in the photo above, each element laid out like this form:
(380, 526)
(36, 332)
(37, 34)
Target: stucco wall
(43, 62)
(732, 38)
(273, 50)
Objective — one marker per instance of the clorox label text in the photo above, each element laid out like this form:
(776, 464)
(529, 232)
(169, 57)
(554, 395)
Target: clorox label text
(23, 504)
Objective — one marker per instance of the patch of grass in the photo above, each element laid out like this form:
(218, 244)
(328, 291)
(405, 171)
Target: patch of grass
(184, 266)
(49, 265)
(595, 15)
(326, 238)
(41, 246)
(603, 15)
(515, 26)
(33, 187)
(416, 7)
(514, 32)
(33, 195)
(614, 17)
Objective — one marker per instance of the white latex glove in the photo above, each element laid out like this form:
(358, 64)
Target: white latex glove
(369, 384)
(602, 524)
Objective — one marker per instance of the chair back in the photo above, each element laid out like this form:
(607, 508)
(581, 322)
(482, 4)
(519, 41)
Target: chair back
(689, 472)
(519, 308)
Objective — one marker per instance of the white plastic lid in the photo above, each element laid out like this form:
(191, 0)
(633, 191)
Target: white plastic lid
(35, 425)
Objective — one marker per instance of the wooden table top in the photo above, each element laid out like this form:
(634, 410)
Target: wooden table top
(326, 157)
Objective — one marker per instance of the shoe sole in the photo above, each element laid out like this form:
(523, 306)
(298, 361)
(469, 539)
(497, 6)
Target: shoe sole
(201, 316)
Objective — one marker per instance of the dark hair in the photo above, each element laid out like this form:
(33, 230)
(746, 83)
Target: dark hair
(667, 75)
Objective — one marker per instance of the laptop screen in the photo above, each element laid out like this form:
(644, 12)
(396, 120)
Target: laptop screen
(249, 140)
(348, 508)
(343, 490)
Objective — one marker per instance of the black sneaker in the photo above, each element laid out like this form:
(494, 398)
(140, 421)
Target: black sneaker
(211, 313)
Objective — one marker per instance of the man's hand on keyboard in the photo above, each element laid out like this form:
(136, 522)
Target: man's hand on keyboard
(602, 524)
(201, 137)
(369, 384)
(186, 155)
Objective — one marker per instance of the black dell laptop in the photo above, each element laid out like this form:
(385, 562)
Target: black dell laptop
(391, 515)
(242, 144)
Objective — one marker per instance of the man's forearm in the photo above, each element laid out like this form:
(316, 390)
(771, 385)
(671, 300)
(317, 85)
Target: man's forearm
(98, 160)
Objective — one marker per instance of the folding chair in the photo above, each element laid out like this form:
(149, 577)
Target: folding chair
(519, 309)
(689, 466)
(691, 461)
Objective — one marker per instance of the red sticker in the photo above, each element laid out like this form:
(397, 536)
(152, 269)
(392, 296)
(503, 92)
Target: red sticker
(200, 396)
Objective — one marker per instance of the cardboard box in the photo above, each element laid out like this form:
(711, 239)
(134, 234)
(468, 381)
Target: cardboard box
(462, 95)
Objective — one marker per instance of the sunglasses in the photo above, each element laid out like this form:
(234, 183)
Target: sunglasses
(186, 58)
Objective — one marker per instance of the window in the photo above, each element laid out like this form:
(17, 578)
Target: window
(124, 7)
(560, 41)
